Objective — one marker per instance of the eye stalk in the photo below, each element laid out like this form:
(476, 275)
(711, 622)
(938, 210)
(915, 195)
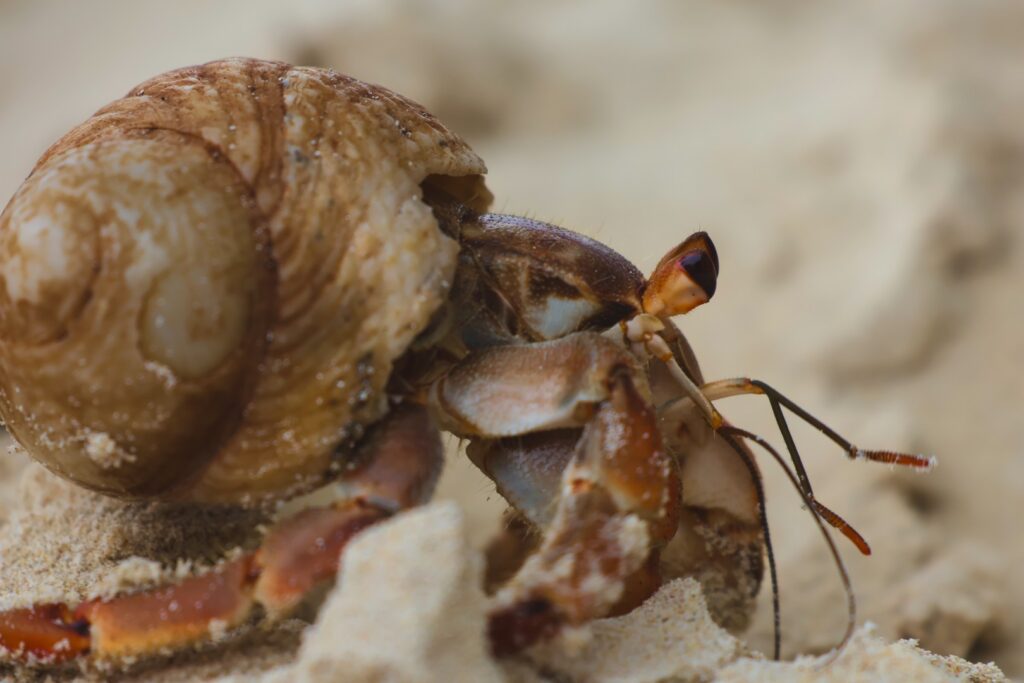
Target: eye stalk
(684, 279)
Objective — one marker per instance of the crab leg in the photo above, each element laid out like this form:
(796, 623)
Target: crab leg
(171, 616)
(47, 631)
(605, 512)
(394, 467)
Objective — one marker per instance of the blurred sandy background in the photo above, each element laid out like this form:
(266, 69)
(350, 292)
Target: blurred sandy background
(859, 166)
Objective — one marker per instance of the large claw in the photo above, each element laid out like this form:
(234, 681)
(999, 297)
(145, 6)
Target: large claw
(583, 461)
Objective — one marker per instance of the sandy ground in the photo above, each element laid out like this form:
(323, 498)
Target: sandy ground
(857, 165)
(410, 608)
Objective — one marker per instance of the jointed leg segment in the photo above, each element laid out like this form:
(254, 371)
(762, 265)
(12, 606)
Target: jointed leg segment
(396, 467)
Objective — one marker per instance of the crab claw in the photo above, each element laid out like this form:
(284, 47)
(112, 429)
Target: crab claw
(684, 279)
(616, 505)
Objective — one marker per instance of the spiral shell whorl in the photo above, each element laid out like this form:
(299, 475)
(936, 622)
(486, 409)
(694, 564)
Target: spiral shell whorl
(203, 287)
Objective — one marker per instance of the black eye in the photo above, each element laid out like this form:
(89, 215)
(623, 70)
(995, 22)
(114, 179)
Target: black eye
(702, 267)
(710, 246)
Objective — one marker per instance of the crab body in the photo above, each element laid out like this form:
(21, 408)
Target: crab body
(245, 280)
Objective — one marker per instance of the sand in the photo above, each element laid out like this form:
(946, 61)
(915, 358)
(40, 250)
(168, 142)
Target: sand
(410, 608)
(859, 167)
(64, 544)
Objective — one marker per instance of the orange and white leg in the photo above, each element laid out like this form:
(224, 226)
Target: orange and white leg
(605, 501)
(395, 467)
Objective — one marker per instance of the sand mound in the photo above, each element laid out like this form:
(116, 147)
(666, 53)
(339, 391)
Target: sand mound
(410, 608)
(414, 582)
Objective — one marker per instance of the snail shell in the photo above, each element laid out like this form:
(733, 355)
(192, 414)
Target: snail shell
(204, 286)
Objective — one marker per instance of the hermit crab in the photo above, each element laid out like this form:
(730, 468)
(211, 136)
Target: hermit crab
(245, 280)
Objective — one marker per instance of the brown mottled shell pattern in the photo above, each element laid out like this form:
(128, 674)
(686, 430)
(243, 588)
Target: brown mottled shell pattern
(204, 286)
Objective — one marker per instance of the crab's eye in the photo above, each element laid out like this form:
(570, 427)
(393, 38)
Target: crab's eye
(684, 279)
(701, 267)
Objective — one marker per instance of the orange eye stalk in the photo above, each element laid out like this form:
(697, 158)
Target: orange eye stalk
(684, 279)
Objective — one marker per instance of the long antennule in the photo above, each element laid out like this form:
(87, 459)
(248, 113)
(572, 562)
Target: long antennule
(851, 600)
(737, 386)
(889, 457)
(828, 515)
(762, 511)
